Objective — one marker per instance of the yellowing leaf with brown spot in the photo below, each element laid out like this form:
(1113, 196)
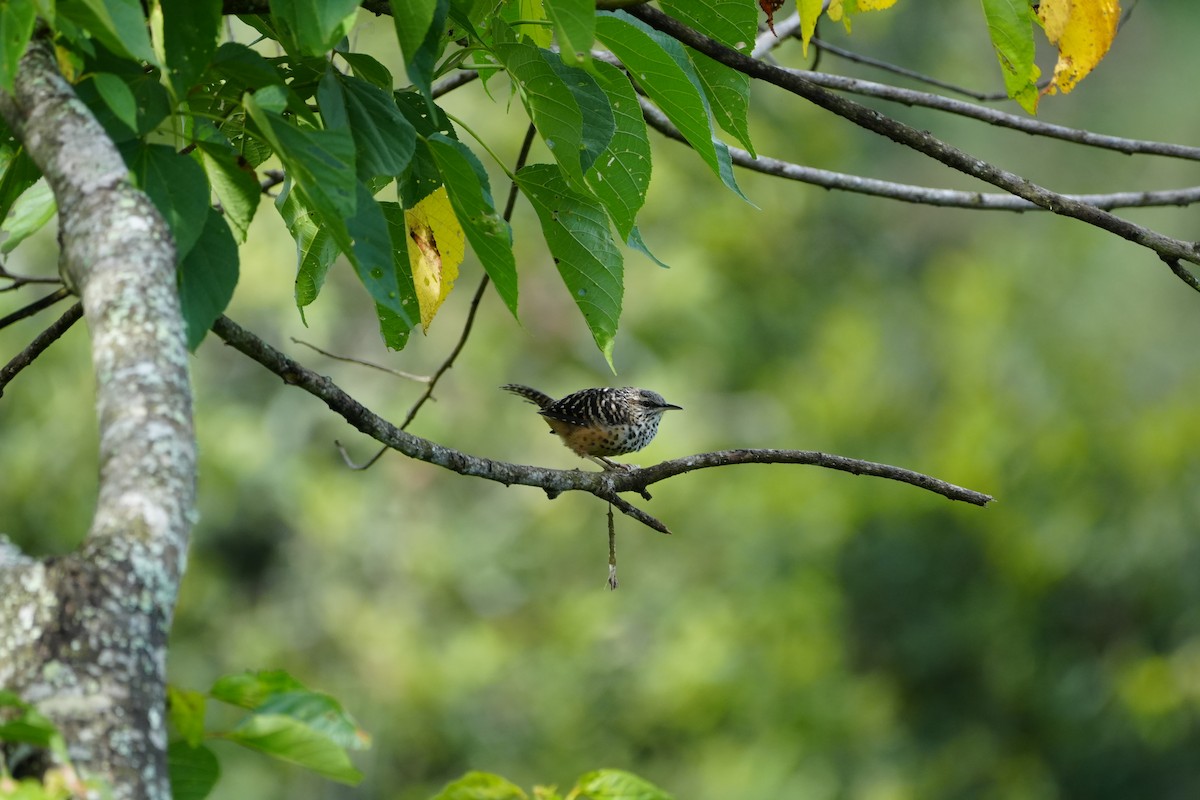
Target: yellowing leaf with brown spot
(1082, 30)
(435, 249)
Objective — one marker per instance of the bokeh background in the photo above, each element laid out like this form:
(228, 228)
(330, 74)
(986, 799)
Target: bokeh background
(804, 634)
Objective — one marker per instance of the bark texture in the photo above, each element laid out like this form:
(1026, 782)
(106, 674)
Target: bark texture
(84, 636)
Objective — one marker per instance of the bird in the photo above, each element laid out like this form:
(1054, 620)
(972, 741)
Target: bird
(595, 423)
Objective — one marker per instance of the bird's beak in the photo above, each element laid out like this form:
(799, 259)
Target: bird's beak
(669, 407)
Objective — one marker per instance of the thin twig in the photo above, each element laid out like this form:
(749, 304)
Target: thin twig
(909, 193)
(398, 373)
(460, 78)
(605, 485)
(35, 307)
(1183, 273)
(22, 280)
(1003, 119)
(612, 552)
(850, 55)
(39, 344)
(351, 463)
(921, 141)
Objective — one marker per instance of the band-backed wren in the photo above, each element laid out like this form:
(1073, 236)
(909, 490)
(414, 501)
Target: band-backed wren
(601, 422)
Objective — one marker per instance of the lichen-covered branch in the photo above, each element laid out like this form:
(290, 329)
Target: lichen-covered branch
(84, 636)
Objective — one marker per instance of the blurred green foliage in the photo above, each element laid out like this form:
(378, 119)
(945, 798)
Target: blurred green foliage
(804, 634)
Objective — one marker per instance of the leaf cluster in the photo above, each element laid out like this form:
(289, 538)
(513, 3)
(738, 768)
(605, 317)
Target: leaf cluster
(376, 172)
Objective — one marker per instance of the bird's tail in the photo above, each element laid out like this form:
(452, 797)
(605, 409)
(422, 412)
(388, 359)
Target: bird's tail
(539, 399)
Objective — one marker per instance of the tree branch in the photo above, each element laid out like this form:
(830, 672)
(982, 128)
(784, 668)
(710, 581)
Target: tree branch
(604, 485)
(35, 307)
(992, 116)
(84, 636)
(17, 281)
(39, 344)
(920, 141)
(850, 55)
(908, 193)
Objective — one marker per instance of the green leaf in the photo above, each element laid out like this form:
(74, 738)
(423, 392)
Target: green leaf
(235, 184)
(251, 689)
(422, 176)
(470, 196)
(207, 278)
(178, 187)
(552, 105)
(599, 122)
(273, 98)
(1010, 26)
(413, 19)
(660, 65)
(30, 213)
(576, 229)
(150, 100)
(320, 712)
(620, 176)
(421, 62)
(615, 784)
(369, 70)
(634, 242)
(372, 256)
(193, 771)
(481, 786)
(575, 25)
(16, 29)
(118, 97)
(392, 327)
(315, 248)
(528, 18)
(243, 69)
(320, 161)
(19, 174)
(185, 709)
(119, 25)
(383, 138)
(728, 93)
(733, 23)
(291, 740)
(312, 27)
(26, 724)
(190, 29)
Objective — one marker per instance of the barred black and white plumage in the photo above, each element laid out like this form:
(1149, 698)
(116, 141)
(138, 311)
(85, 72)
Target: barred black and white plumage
(600, 422)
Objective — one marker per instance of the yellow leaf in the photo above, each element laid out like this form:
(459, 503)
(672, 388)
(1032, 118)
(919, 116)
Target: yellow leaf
(1082, 30)
(435, 249)
(810, 12)
(844, 9)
